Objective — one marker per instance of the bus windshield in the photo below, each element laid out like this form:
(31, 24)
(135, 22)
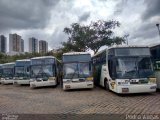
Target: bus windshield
(76, 70)
(41, 71)
(134, 67)
(0, 72)
(8, 72)
(21, 72)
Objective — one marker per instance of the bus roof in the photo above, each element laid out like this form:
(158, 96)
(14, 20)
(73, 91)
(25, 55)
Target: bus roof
(127, 46)
(42, 57)
(121, 46)
(76, 53)
(23, 60)
(9, 63)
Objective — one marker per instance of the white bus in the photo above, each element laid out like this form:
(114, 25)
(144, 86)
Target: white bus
(155, 51)
(45, 71)
(7, 73)
(22, 72)
(77, 71)
(125, 69)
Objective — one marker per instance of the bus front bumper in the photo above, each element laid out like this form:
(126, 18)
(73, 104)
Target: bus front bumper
(34, 84)
(23, 82)
(78, 85)
(10, 81)
(145, 88)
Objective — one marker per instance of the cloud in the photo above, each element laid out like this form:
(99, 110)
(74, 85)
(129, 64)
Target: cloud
(120, 6)
(147, 31)
(138, 18)
(17, 14)
(84, 17)
(46, 19)
(57, 38)
(152, 9)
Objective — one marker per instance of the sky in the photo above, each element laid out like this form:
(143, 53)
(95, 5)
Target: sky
(46, 19)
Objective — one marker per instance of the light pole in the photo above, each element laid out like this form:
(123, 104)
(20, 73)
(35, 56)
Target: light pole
(158, 28)
(126, 38)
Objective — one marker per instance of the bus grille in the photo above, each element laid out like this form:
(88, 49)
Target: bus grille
(140, 82)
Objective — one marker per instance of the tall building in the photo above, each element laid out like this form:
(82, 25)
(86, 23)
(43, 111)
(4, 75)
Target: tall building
(43, 46)
(3, 44)
(15, 43)
(33, 44)
(22, 45)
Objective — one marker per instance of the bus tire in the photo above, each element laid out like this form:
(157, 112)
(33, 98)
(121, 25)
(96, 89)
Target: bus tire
(106, 85)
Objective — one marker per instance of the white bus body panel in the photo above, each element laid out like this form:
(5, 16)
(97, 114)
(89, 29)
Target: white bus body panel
(34, 84)
(4, 81)
(23, 82)
(14, 82)
(77, 85)
(104, 75)
(138, 88)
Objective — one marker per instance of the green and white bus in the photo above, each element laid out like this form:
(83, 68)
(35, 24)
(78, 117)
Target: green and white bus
(7, 73)
(77, 71)
(125, 69)
(22, 72)
(45, 71)
(155, 51)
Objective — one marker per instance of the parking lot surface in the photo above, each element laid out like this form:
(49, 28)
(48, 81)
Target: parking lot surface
(23, 100)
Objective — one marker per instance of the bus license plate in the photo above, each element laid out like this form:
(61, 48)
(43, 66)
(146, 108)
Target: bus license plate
(125, 90)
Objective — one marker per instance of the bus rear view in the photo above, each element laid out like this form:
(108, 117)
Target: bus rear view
(77, 71)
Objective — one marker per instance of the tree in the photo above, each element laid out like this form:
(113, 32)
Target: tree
(92, 36)
(77, 38)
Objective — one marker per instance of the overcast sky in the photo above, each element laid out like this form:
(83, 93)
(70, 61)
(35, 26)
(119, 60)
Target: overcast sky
(46, 19)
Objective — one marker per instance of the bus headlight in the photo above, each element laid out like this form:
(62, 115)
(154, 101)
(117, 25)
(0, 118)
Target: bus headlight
(152, 80)
(89, 78)
(66, 80)
(2, 79)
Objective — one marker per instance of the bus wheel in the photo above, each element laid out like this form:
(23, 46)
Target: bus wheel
(106, 85)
